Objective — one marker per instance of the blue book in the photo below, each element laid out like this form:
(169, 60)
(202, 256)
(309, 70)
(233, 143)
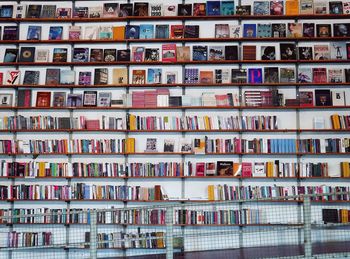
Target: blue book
(213, 8)
(199, 53)
(86, 192)
(146, 31)
(55, 33)
(154, 76)
(261, 8)
(34, 32)
(255, 75)
(227, 8)
(249, 30)
(132, 32)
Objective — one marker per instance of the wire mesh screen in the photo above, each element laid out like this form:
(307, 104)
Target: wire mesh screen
(294, 226)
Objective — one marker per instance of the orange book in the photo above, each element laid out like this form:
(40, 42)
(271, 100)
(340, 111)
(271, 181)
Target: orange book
(211, 196)
(292, 7)
(118, 32)
(157, 193)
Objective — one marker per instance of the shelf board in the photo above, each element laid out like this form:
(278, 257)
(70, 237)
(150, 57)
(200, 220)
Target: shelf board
(176, 177)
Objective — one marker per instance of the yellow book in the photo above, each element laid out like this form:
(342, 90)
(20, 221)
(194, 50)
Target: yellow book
(211, 195)
(206, 122)
(345, 171)
(269, 171)
(344, 215)
(118, 32)
(130, 145)
(292, 7)
(132, 122)
(41, 169)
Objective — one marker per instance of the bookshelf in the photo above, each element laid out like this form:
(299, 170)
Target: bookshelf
(296, 129)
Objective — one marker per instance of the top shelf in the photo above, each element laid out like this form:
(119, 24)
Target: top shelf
(181, 18)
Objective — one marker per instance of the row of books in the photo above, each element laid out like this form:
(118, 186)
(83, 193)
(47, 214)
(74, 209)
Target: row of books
(217, 217)
(335, 215)
(226, 192)
(207, 8)
(340, 121)
(274, 168)
(81, 191)
(68, 146)
(28, 239)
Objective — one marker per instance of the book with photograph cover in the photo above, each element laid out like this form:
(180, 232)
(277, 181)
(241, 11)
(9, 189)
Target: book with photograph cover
(146, 31)
(10, 33)
(309, 30)
(186, 145)
(95, 12)
(81, 12)
(132, 32)
(80, 55)
(101, 76)
(90, 98)
(123, 54)
(319, 75)
(305, 53)
(227, 8)
(222, 31)
(321, 7)
(261, 8)
(110, 9)
(335, 76)
(184, 9)
(171, 77)
(249, 30)
(59, 55)
(43, 99)
(96, 55)
(279, 30)
(55, 32)
(176, 31)
(306, 7)
(335, 7)
(6, 11)
(323, 97)
(141, 9)
(191, 75)
(52, 76)
(346, 7)
(31, 77)
(341, 29)
(33, 11)
(199, 147)
(268, 53)
(206, 77)
(276, 7)
(156, 9)
(199, 9)
(243, 10)
(63, 13)
(222, 76)
(34, 32)
(323, 30)
(6, 100)
(91, 32)
(67, 77)
(151, 145)
(288, 51)
(120, 76)
(152, 54)
(255, 75)
(74, 100)
(48, 11)
(162, 31)
(170, 10)
(169, 52)
(271, 75)
(321, 52)
(126, 10)
(110, 55)
(154, 76)
(249, 52)
(338, 50)
(27, 54)
(213, 8)
(10, 55)
(216, 53)
(139, 76)
(238, 75)
(304, 75)
(306, 98)
(287, 75)
(59, 99)
(264, 30)
(85, 78)
(138, 54)
(105, 33)
(235, 31)
(169, 145)
(191, 31)
(224, 168)
(20, 11)
(231, 52)
(104, 99)
(294, 30)
(199, 53)
(24, 98)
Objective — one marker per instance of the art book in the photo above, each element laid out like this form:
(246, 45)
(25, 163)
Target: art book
(52, 76)
(55, 32)
(59, 55)
(227, 8)
(138, 54)
(63, 13)
(176, 31)
(249, 30)
(74, 32)
(199, 9)
(34, 32)
(321, 52)
(309, 30)
(216, 53)
(338, 50)
(154, 76)
(146, 31)
(276, 7)
(80, 55)
(222, 31)
(85, 78)
(169, 52)
(255, 75)
(261, 8)
(31, 77)
(264, 30)
(43, 99)
(110, 10)
(213, 8)
(335, 76)
(199, 53)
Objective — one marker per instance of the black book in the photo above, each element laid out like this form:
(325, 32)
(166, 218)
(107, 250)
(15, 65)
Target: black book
(288, 51)
(6, 11)
(10, 33)
(191, 31)
(141, 9)
(309, 30)
(110, 55)
(48, 11)
(10, 55)
(323, 30)
(34, 11)
(27, 54)
(347, 75)
(238, 75)
(279, 30)
(224, 168)
(268, 53)
(96, 55)
(184, 10)
(123, 55)
(101, 76)
(341, 29)
(81, 12)
(24, 97)
(231, 52)
(323, 97)
(336, 7)
(31, 77)
(152, 54)
(330, 216)
(199, 53)
(305, 53)
(243, 10)
(125, 10)
(64, 123)
(52, 76)
(175, 101)
(271, 75)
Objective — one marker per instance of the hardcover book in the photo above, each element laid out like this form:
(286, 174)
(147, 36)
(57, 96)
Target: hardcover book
(199, 53)
(199, 9)
(85, 78)
(59, 55)
(52, 76)
(171, 77)
(191, 31)
(120, 76)
(206, 77)
(156, 9)
(288, 51)
(261, 8)
(6, 100)
(101, 76)
(279, 30)
(191, 75)
(176, 31)
(338, 98)
(80, 55)
(64, 13)
(235, 31)
(96, 55)
(184, 10)
(264, 30)
(227, 8)
(162, 31)
(59, 99)
(10, 55)
(335, 76)
(306, 98)
(110, 55)
(20, 11)
(67, 77)
(151, 145)
(335, 7)
(222, 31)
(55, 32)
(48, 11)
(249, 31)
(305, 53)
(255, 76)
(81, 12)
(292, 7)
(321, 52)
(271, 75)
(152, 54)
(213, 8)
(118, 32)
(34, 32)
(43, 99)
(287, 75)
(105, 33)
(33, 11)
(276, 7)
(126, 10)
(222, 76)
(321, 7)
(110, 10)
(346, 7)
(90, 98)
(323, 30)
(6, 11)
(140, 9)
(27, 54)
(238, 75)
(309, 30)
(169, 52)
(268, 53)
(10, 33)
(31, 77)
(146, 31)
(323, 97)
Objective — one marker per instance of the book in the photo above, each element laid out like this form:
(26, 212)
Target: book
(271, 75)
(231, 52)
(309, 30)
(191, 75)
(74, 100)
(259, 169)
(199, 53)
(80, 55)
(31, 77)
(67, 77)
(43, 99)
(154, 76)
(126, 9)
(152, 54)
(243, 10)
(91, 32)
(101, 76)
(249, 52)
(170, 10)
(199, 9)
(151, 145)
(110, 55)
(63, 13)
(118, 32)
(33, 11)
(338, 50)
(213, 8)
(171, 77)
(59, 55)
(261, 8)
(169, 52)
(224, 168)
(341, 29)
(20, 11)
(319, 75)
(338, 98)
(294, 30)
(162, 31)
(138, 54)
(141, 9)
(138, 76)
(85, 78)
(279, 30)
(288, 51)
(52, 76)
(321, 52)
(191, 31)
(304, 75)
(120, 76)
(27, 54)
(235, 31)
(24, 98)
(222, 31)
(346, 7)
(264, 30)
(292, 7)
(80, 12)
(55, 32)
(216, 53)
(335, 76)
(276, 7)
(34, 32)
(10, 55)
(123, 55)
(95, 12)
(255, 75)
(74, 32)
(10, 33)
(48, 11)
(169, 145)
(206, 77)
(323, 97)
(110, 10)
(90, 98)
(249, 30)
(306, 7)
(176, 31)
(132, 32)
(156, 9)
(184, 9)
(227, 8)
(222, 76)
(306, 98)
(238, 75)
(59, 99)
(321, 7)
(287, 75)
(146, 31)
(6, 100)
(199, 146)
(323, 30)
(268, 53)
(335, 7)
(105, 33)
(96, 55)
(6, 11)
(305, 53)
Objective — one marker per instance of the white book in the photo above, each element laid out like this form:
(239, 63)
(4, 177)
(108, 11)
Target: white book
(235, 31)
(170, 10)
(20, 11)
(42, 55)
(319, 123)
(91, 32)
(338, 98)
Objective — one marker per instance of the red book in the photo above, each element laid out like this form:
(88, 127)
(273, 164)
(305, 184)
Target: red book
(43, 99)
(200, 168)
(92, 124)
(169, 53)
(247, 169)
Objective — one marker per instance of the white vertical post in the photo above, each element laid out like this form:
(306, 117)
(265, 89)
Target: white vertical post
(307, 227)
(169, 242)
(93, 234)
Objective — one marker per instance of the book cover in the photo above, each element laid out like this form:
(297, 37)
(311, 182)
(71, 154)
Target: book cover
(191, 75)
(80, 55)
(24, 98)
(27, 54)
(118, 32)
(249, 30)
(141, 9)
(59, 55)
(210, 169)
(191, 31)
(63, 13)
(120, 76)
(306, 98)
(243, 10)
(74, 32)
(268, 53)
(110, 10)
(321, 52)
(276, 7)
(31, 77)
(96, 55)
(10, 33)
(132, 32)
(169, 52)
(52, 76)
(255, 76)
(306, 7)
(335, 7)
(321, 7)
(59, 99)
(34, 32)
(216, 53)
(170, 10)
(171, 77)
(288, 51)
(74, 100)
(6, 100)
(271, 75)
(67, 77)
(110, 55)
(154, 76)
(346, 7)
(323, 30)
(152, 54)
(146, 31)
(319, 75)
(309, 30)
(199, 53)
(305, 53)
(123, 54)
(139, 76)
(292, 7)
(222, 76)
(222, 31)
(238, 75)
(231, 52)
(151, 145)
(104, 99)
(279, 30)
(264, 30)
(338, 50)
(294, 30)
(162, 31)
(247, 169)
(338, 98)
(10, 55)
(33, 11)
(105, 33)
(156, 9)
(48, 11)
(341, 29)
(323, 97)
(95, 12)
(213, 8)
(249, 52)
(224, 168)
(335, 76)
(235, 31)
(55, 32)
(176, 31)
(261, 8)
(304, 75)
(184, 9)
(80, 12)
(6, 11)
(90, 98)
(206, 77)
(287, 75)
(126, 10)
(101, 76)
(20, 11)
(85, 78)
(199, 9)
(138, 54)
(227, 8)
(91, 32)
(43, 99)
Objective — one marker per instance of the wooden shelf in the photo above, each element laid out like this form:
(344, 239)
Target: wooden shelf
(175, 177)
